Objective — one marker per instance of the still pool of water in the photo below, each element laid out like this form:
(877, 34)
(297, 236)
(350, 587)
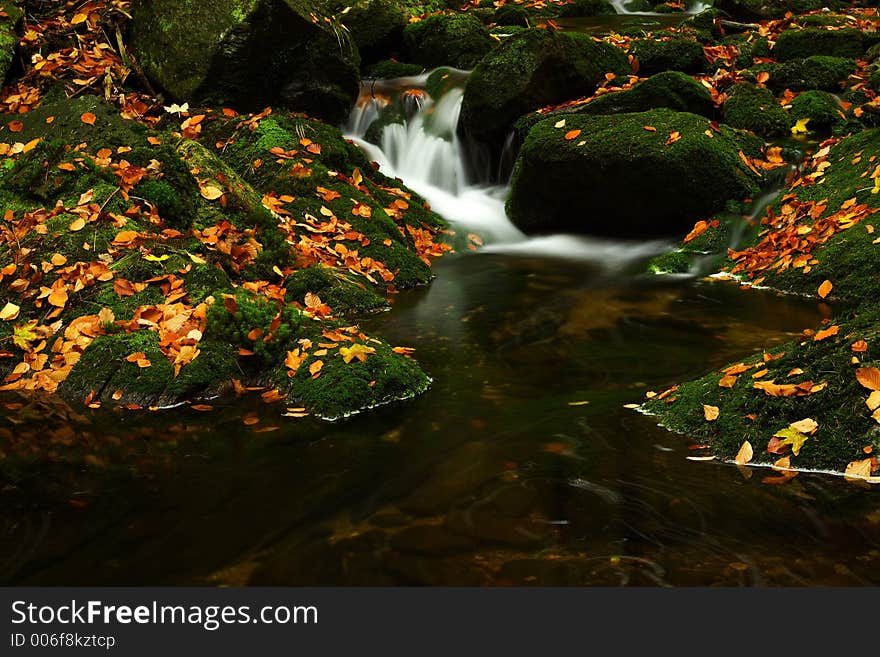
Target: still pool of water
(499, 475)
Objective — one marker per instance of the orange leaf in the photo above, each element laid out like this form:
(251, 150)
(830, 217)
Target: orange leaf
(825, 289)
(860, 347)
(869, 377)
(650, 128)
(15, 126)
(826, 333)
(88, 118)
(571, 134)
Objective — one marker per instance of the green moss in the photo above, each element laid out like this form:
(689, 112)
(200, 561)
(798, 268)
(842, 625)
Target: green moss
(845, 423)
(457, 40)
(756, 109)
(597, 170)
(676, 262)
(817, 72)
(389, 68)
(532, 69)
(344, 387)
(585, 8)
(511, 16)
(821, 108)
(677, 54)
(343, 292)
(800, 44)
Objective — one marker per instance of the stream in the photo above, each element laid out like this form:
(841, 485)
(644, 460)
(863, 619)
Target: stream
(520, 466)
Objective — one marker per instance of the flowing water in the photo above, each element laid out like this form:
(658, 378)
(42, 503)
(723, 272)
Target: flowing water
(520, 466)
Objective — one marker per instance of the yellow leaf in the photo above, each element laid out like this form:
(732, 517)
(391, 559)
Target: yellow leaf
(198, 259)
(77, 224)
(873, 400)
(745, 454)
(792, 437)
(211, 193)
(315, 367)
(807, 425)
(10, 311)
(559, 124)
(153, 258)
(710, 412)
(79, 18)
(859, 469)
(358, 351)
(800, 128)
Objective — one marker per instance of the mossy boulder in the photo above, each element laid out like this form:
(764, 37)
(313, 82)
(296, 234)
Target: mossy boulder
(8, 38)
(247, 54)
(348, 182)
(817, 72)
(754, 108)
(676, 54)
(585, 8)
(822, 109)
(800, 44)
(389, 68)
(763, 9)
(530, 70)
(671, 89)
(627, 175)
(845, 430)
(511, 16)
(375, 25)
(458, 40)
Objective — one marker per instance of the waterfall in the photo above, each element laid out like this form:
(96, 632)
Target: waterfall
(413, 136)
(625, 7)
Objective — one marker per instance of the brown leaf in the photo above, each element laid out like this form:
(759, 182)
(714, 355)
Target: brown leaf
(869, 377)
(745, 453)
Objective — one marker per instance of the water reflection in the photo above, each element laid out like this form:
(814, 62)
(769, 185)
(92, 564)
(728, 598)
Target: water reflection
(519, 467)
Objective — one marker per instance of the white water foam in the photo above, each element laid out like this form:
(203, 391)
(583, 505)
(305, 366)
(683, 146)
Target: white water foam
(425, 152)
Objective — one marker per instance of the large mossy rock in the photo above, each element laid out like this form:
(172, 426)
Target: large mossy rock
(671, 89)
(764, 9)
(586, 8)
(823, 228)
(375, 25)
(8, 38)
(819, 72)
(530, 70)
(458, 40)
(247, 54)
(625, 175)
(800, 44)
(241, 275)
(754, 108)
(677, 54)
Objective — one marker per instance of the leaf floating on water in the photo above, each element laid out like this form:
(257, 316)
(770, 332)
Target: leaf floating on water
(710, 413)
(825, 289)
(745, 454)
(869, 377)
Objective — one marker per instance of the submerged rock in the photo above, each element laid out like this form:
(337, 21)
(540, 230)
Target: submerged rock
(530, 70)
(628, 175)
(248, 54)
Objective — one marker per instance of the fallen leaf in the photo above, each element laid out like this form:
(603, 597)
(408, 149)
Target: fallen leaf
(860, 347)
(572, 134)
(859, 469)
(88, 118)
(869, 377)
(745, 454)
(807, 425)
(9, 312)
(825, 289)
(211, 193)
(873, 400)
(710, 413)
(792, 437)
(826, 333)
(800, 128)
